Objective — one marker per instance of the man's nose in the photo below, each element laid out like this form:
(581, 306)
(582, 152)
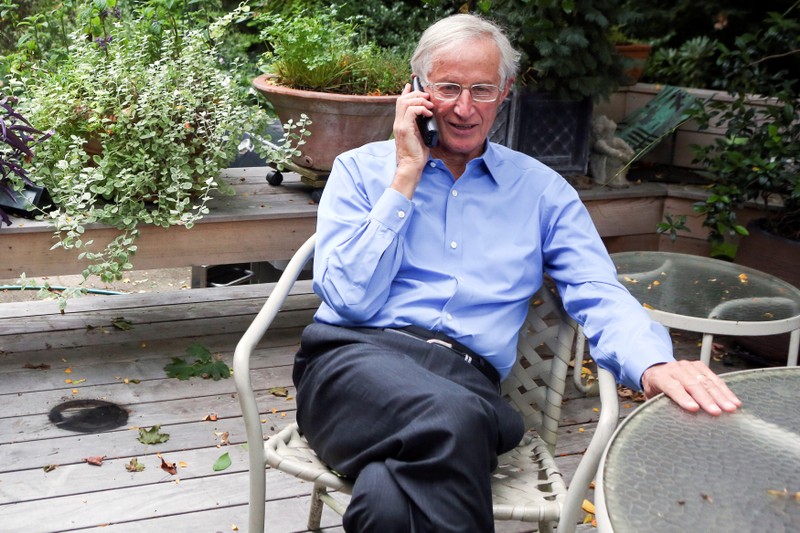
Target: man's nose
(464, 102)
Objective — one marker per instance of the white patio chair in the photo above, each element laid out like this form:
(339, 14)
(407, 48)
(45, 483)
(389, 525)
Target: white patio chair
(527, 485)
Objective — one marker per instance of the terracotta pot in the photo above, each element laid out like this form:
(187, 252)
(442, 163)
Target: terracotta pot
(340, 122)
(774, 255)
(638, 53)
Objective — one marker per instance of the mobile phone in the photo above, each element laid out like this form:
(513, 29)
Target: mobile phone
(427, 125)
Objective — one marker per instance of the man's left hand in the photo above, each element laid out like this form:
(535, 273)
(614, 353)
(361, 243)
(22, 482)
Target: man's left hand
(692, 385)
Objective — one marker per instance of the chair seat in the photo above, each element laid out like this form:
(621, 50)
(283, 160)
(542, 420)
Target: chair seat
(288, 451)
(517, 492)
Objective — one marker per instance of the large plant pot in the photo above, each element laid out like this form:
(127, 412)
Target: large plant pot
(777, 256)
(340, 122)
(637, 55)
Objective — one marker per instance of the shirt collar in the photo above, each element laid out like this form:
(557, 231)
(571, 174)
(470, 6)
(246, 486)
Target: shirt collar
(492, 163)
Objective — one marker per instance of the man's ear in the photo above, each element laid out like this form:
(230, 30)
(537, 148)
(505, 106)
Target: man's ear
(507, 88)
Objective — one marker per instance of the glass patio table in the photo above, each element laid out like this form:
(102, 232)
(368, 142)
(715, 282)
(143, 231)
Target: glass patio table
(711, 297)
(669, 470)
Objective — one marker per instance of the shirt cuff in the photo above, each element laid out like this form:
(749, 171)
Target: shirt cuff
(392, 210)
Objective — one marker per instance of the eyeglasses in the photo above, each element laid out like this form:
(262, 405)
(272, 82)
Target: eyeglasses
(480, 92)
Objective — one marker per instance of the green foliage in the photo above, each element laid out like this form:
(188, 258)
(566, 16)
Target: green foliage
(672, 225)
(143, 123)
(17, 136)
(758, 158)
(681, 28)
(206, 365)
(565, 43)
(688, 65)
(321, 53)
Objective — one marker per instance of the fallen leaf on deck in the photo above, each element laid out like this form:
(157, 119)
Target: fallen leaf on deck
(134, 466)
(784, 494)
(278, 391)
(625, 393)
(40, 366)
(206, 365)
(223, 438)
(97, 460)
(222, 463)
(49, 468)
(121, 323)
(167, 467)
(152, 435)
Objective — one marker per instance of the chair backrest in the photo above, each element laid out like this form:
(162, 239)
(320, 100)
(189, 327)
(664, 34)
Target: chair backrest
(536, 384)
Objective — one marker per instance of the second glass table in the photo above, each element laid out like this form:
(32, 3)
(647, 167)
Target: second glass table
(711, 297)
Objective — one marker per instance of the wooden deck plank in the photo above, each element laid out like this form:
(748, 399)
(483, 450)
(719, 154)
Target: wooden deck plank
(79, 496)
(44, 328)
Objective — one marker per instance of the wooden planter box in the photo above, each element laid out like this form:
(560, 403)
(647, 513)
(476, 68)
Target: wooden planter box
(627, 218)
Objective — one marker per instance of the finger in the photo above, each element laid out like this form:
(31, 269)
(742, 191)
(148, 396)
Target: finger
(712, 393)
(692, 385)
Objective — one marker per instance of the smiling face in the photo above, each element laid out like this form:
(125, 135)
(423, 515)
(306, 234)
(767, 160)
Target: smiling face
(463, 123)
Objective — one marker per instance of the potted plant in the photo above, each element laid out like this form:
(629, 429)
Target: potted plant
(634, 52)
(321, 66)
(143, 122)
(16, 137)
(758, 157)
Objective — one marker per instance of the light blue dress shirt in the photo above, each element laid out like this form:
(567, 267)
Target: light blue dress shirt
(465, 256)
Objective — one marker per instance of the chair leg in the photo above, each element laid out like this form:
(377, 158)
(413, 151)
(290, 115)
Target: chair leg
(315, 513)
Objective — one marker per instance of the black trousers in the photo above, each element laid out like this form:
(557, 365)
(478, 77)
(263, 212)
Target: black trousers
(417, 427)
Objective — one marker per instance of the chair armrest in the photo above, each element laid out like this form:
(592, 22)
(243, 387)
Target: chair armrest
(241, 363)
(587, 469)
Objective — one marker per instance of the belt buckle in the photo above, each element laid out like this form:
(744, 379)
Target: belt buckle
(440, 343)
(466, 356)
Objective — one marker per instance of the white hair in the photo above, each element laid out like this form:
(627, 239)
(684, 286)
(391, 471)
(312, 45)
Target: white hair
(458, 28)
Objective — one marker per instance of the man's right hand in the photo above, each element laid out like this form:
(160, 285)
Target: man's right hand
(412, 154)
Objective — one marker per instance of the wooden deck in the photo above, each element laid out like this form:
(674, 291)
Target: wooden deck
(262, 222)
(40, 349)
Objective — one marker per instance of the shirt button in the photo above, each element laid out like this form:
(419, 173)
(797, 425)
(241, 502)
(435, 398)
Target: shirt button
(453, 245)
(401, 214)
(454, 193)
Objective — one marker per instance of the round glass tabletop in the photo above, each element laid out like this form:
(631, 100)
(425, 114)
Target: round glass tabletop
(702, 287)
(668, 470)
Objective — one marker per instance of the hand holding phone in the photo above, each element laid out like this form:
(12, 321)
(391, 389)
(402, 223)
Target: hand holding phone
(427, 125)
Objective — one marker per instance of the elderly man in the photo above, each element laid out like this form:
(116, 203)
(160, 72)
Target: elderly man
(447, 244)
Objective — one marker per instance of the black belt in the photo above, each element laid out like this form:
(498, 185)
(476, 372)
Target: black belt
(469, 355)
